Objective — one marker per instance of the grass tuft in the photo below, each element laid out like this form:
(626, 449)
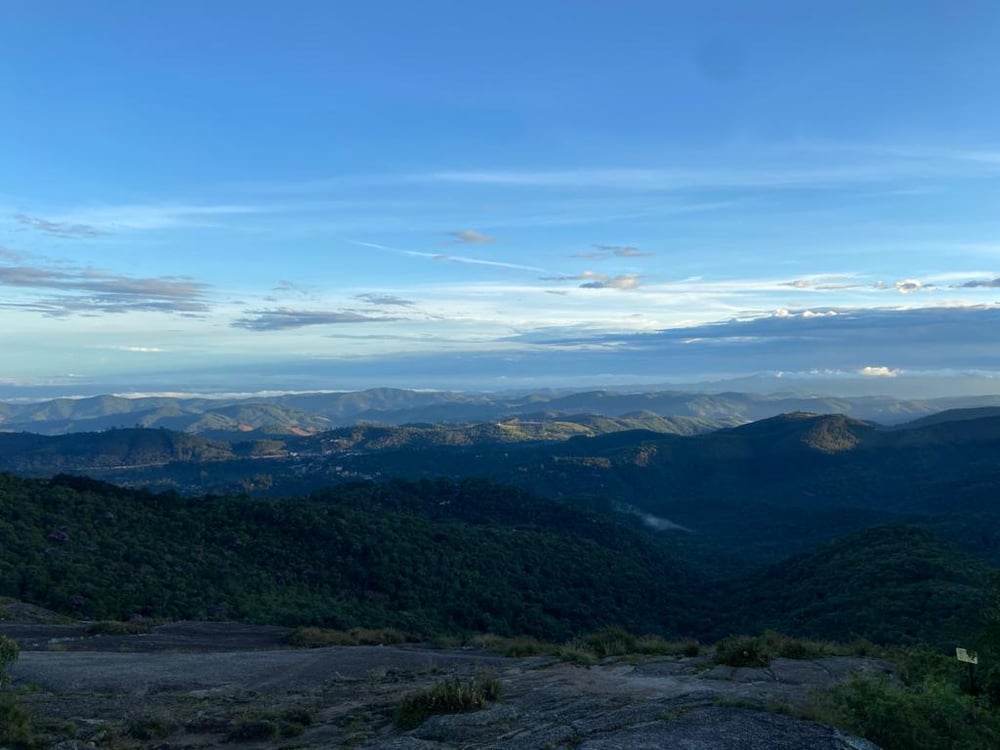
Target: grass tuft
(448, 697)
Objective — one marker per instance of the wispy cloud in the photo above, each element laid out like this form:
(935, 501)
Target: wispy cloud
(139, 217)
(624, 281)
(617, 251)
(450, 258)
(285, 318)
(470, 236)
(827, 282)
(903, 286)
(593, 280)
(984, 283)
(59, 228)
(800, 163)
(671, 180)
(384, 300)
(85, 290)
(819, 166)
(290, 287)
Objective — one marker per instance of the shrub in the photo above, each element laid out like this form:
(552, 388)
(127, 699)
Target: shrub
(611, 641)
(15, 728)
(147, 728)
(8, 655)
(253, 730)
(319, 638)
(615, 641)
(601, 644)
(654, 645)
(297, 716)
(934, 715)
(760, 650)
(523, 646)
(743, 651)
(293, 721)
(575, 654)
(448, 697)
(115, 627)
(309, 637)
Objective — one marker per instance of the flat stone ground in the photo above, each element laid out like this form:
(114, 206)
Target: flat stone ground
(206, 685)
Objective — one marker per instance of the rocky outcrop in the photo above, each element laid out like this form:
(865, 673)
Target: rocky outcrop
(657, 703)
(350, 694)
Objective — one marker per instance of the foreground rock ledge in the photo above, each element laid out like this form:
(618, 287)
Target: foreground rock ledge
(195, 682)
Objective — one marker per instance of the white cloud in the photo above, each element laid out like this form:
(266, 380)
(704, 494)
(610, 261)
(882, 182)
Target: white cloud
(908, 286)
(879, 372)
(470, 236)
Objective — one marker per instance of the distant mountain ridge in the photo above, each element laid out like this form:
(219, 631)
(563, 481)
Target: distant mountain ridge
(302, 414)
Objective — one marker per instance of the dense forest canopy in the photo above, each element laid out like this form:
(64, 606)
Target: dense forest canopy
(446, 557)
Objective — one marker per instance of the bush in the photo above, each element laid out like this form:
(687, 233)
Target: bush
(601, 644)
(612, 641)
(148, 728)
(15, 728)
(254, 730)
(8, 655)
(517, 647)
(307, 637)
(760, 650)
(115, 627)
(743, 651)
(293, 722)
(934, 715)
(448, 697)
(654, 645)
(616, 641)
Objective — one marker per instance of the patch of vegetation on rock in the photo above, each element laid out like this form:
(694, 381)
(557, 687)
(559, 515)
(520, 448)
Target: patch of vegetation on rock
(311, 637)
(253, 730)
(448, 697)
(116, 627)
(760, 650)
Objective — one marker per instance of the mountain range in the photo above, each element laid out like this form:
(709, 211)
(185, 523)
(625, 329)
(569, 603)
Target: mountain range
(302, 414)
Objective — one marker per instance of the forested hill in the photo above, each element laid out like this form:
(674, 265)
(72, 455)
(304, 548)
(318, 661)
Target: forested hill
(426, 557)
(435, 557)
(892, 584)
(25, 452)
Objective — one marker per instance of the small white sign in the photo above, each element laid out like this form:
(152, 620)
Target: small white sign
(969, 657)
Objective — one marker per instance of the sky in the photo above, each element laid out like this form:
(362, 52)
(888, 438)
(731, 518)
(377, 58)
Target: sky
(245, 196)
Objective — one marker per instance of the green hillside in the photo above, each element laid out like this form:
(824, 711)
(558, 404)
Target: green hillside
(25, 452)
(890, 584)
(431, 557)
(445, 557)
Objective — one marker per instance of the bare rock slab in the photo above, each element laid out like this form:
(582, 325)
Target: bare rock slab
(720, 728)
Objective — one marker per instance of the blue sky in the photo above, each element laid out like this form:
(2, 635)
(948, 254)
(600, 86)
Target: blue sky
(245, 195)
